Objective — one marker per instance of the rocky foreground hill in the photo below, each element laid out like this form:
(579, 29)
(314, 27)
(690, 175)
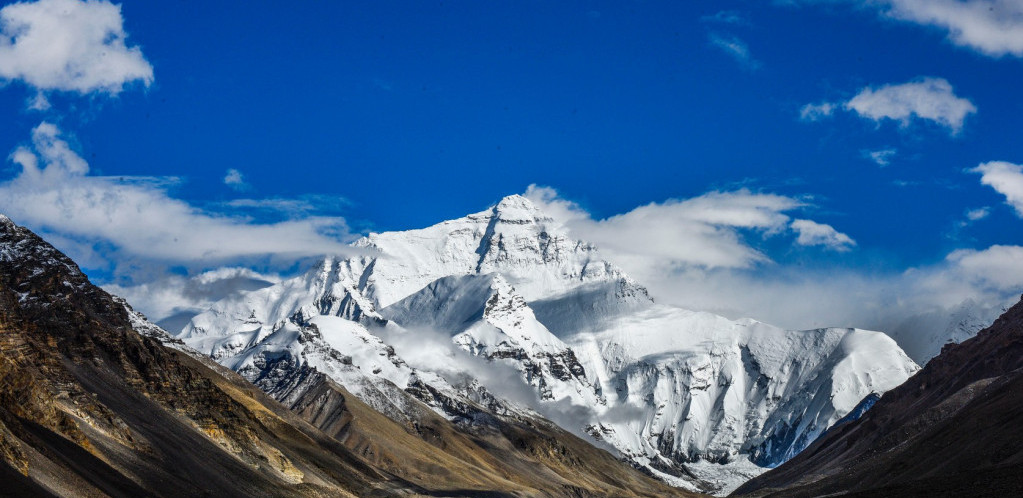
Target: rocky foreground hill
(953, 429)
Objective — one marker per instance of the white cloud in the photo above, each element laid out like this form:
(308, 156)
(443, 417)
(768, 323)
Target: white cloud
(905, 183)
(69, 45)
(294, 206)
(39, 103)
(930, 99)
(736, 48)
(978, 214)
(234, 179)
(991, 27)
(711, 231)
(812, 233)
(689, 254)
(171, 295)
(816, 112)
(997, 267)
(880, 157)
(54, 194)
(1007, 179)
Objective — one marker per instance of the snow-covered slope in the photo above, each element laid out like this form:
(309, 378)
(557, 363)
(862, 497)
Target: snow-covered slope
(713, 389)
(662, 385)
(487, 318)
(318, 320)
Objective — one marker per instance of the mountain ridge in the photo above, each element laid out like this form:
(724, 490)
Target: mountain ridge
(564, 302)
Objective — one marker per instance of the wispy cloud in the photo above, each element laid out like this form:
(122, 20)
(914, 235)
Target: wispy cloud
(881, 157)
(817, 112)
(38, 103)
(732, 17)
(234, 179)
(927, 99)
(299, 206)
(978, 214)
(736, 48)
(69, 45)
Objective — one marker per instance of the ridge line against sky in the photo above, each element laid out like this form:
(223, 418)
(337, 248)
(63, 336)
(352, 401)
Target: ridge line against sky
(777, 161)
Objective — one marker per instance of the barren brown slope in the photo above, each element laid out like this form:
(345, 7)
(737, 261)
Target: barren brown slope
(953, 429)
(88, 407)
(524, 456)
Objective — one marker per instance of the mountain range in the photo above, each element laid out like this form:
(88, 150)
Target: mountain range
(97, 401)
(491, 355)
(503, 313)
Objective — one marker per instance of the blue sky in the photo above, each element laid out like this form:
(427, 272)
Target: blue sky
(339, 118)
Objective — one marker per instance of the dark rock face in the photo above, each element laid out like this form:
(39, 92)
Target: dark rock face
(952, 429)
(88, 406)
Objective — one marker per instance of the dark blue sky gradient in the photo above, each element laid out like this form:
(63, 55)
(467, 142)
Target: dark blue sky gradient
(417, 112)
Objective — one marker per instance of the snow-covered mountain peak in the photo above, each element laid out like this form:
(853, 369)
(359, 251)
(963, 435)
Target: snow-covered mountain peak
(517, 209)
(513, 238)
(664, 386)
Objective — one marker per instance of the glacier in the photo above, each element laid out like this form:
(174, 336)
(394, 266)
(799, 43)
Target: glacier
(686, 395)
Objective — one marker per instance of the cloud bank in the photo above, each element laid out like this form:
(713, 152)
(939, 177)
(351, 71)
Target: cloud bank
(138, 218)
(69, 45)
(708, 232)
(698, 254)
